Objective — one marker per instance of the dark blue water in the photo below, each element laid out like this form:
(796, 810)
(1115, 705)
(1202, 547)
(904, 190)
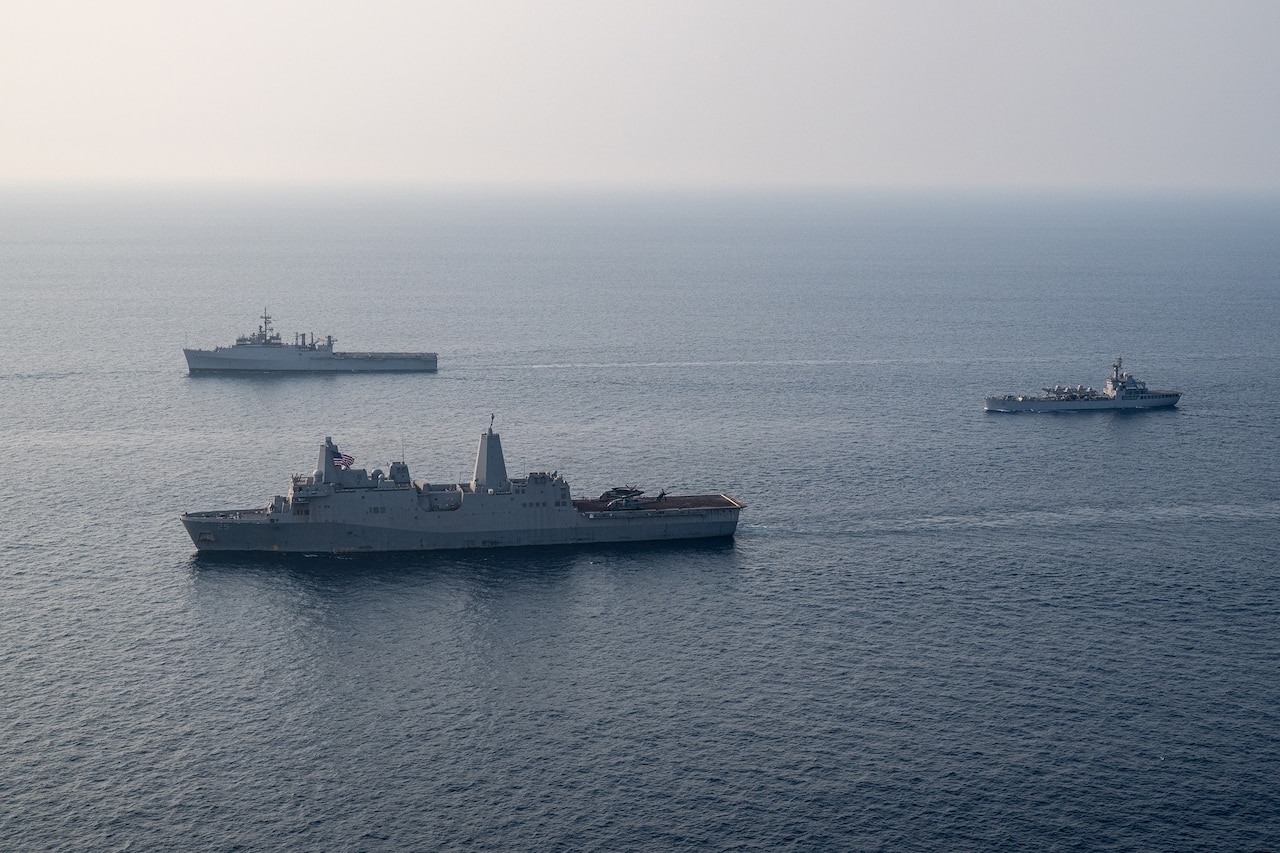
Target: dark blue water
(937, 628)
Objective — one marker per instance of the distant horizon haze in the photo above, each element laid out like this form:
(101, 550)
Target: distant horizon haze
(717, 95)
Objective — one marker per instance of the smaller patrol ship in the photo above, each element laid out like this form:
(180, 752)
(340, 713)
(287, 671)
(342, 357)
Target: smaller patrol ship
(1122, 391)
(339, 509)
(264, 352)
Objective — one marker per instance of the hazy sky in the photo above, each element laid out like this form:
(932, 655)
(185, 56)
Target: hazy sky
(1077, 93)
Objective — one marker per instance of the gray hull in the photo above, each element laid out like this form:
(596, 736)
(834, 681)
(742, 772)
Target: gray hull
(1158, 400)
(342, 510)
(1122, 391)
(254, 530)
(301, 360)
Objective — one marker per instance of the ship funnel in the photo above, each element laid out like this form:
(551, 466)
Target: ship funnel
(491, 470)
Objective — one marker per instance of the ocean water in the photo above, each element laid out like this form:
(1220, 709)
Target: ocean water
(936, 629)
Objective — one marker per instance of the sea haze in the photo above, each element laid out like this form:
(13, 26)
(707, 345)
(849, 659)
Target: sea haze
(936, 629)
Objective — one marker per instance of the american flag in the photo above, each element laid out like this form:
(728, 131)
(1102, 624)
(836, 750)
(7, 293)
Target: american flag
(342, 460)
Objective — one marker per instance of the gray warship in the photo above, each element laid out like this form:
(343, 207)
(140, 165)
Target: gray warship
(340, 509)
(1122, 391)
(264, 351)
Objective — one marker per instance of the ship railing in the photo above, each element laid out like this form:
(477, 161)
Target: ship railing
(377, 355)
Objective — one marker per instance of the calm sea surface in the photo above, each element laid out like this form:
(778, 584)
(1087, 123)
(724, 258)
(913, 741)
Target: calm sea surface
(937, 628)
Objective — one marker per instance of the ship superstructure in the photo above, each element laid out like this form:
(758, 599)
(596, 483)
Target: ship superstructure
(340, 509)
(1122, 391)
(264, 351)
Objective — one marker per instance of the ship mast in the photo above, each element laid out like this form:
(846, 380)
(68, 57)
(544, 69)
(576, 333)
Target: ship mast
(491, 469)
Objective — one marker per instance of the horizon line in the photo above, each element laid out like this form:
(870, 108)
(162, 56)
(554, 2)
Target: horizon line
(622, 187)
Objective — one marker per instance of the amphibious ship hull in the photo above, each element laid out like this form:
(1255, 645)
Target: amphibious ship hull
(702, 517)
(336, 510)
(1158, 400)
(265, 351)
(1122, 391)
(300, 360)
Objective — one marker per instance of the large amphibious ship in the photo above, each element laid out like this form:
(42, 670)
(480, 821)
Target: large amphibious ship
(339, 509)
(1122, 391)
(264, 351)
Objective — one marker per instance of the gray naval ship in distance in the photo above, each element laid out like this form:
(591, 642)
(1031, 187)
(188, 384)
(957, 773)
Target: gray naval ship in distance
(1122, 391)
(338, 509)
(264, 352)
